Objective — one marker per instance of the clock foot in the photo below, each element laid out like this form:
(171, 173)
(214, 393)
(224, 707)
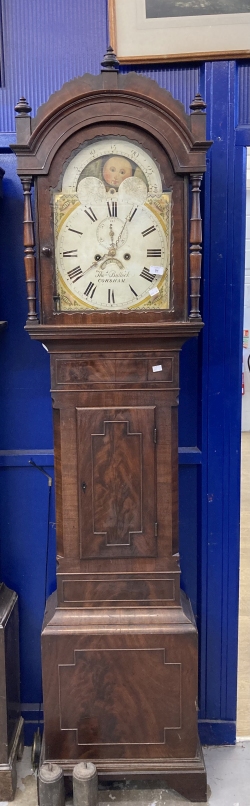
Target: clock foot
(8, 772)
(11, 722)
(185, 776)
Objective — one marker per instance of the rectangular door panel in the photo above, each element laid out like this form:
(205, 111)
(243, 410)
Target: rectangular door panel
(117, 481)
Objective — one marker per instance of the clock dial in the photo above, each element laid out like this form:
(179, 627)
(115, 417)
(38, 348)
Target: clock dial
(112, 230)
(114, 262)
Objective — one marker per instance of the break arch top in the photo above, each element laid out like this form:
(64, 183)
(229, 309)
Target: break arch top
(112, 98)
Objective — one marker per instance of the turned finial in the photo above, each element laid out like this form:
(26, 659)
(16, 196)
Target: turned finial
(197, 105)
(23, 108)
(110, 63)
(23, 121)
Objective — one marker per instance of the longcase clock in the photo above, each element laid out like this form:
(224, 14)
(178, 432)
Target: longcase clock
(113, 158)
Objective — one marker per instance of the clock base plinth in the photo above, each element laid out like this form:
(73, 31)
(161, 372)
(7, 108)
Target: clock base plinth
(187, 777)
(120, 690)
(8, 771)
(11, 722)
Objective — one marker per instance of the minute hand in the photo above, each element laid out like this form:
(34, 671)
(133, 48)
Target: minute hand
(123, 228)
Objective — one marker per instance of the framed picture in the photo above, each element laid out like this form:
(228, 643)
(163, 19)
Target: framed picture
(179, 30)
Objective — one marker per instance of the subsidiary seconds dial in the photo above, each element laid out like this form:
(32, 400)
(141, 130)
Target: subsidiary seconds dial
(112, 256)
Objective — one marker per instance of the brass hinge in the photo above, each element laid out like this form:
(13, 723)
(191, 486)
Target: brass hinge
(156, 529)
(155, 436)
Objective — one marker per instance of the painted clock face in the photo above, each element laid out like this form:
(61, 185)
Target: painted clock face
(112, 230)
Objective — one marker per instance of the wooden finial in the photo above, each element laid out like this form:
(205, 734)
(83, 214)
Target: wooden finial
(23, 121)
(110, 63)
(23, 108)
(197, 105)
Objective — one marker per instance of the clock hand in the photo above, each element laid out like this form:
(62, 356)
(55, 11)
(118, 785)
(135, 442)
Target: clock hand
(101, 263)
(112, 248)
(90, 267)
(124, 225)
(111, 253)
(111, 235)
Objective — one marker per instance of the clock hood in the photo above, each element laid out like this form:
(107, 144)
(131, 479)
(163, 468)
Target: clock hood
(77, 105)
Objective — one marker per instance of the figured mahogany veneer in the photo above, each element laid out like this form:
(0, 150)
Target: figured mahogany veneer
(120, 650)
(116, 456)
(119, 641)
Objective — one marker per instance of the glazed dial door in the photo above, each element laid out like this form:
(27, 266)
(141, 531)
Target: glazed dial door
(112, 226)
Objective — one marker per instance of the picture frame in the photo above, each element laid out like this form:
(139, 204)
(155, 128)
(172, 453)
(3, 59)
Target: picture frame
(139, 35)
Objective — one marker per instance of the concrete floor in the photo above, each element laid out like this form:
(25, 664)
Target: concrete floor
(228, 771)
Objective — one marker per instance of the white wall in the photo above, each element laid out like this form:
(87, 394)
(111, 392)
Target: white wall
(246, 352)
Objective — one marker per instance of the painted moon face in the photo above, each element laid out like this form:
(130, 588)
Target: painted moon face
(129, 160)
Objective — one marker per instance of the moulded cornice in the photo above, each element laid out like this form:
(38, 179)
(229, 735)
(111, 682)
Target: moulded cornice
(115, 99)
(75, 90)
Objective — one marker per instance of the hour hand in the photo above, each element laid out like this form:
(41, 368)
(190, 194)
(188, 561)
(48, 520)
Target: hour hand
(77, 273)
(97, 262)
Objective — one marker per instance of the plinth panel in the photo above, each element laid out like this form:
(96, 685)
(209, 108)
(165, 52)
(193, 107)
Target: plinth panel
(116, 708)
(120, 692)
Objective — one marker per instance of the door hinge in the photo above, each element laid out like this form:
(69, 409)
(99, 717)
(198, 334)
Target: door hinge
(155, 436)
(156, 529)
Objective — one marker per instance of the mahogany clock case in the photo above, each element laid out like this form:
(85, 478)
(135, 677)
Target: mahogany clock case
(119, 642)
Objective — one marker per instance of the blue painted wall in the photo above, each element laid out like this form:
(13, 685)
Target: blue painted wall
(46, 44)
